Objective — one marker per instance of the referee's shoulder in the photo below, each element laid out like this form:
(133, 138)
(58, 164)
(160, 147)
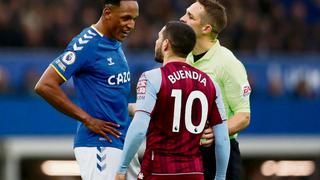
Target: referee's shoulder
(227, 54)
(230, 62)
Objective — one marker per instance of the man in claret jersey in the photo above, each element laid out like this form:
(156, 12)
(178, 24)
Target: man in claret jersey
(174, 104)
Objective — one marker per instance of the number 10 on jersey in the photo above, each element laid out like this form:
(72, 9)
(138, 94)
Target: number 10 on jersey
(177, 94)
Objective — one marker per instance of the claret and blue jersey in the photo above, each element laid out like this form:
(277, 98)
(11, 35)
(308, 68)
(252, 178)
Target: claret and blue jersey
(101, 77)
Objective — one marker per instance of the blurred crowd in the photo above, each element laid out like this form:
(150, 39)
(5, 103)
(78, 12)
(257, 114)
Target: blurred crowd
(255, 26)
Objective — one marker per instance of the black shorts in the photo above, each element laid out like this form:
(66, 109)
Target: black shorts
(234, 166)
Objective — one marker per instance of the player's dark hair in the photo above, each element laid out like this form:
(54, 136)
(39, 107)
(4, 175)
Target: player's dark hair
(181, 36)
(114, 2)
(215, 15)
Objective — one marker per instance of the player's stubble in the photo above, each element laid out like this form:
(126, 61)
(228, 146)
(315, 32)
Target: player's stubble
(158, 56)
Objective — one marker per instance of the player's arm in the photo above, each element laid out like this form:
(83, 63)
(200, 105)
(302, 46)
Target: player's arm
(222, 149)
(147, 89)
(221, 134)
(134, 138)
(238, 122)
(49, 88)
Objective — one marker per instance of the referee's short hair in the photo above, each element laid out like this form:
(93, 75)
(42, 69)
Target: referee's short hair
(215, 15)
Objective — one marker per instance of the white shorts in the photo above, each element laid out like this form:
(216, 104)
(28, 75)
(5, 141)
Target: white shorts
(101, 163)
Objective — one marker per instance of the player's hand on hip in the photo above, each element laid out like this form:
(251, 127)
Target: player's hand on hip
(120, 176)
(103, 128)
(207, 137)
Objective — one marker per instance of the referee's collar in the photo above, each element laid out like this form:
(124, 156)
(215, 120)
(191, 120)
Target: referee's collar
(209, 53)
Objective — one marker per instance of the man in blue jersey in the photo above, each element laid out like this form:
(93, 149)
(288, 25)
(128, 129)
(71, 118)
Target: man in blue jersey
(96, 62)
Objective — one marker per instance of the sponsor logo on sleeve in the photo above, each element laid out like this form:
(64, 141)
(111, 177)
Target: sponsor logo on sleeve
(60, 65)
(69, 58)
(141, 87)
(245, 90)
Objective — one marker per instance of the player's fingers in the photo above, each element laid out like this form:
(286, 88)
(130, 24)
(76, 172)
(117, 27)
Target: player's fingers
(111, 124)
(207, 143)
(208, 130)
(208, 136)
(112, 131)
(103, 134)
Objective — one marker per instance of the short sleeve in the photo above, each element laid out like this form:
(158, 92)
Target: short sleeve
(237, 89)
(69, 62)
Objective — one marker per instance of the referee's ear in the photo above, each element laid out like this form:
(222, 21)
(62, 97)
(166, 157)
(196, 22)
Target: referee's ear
(207, 29)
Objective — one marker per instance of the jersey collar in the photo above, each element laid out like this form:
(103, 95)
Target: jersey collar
(96, 30)
(208, 55)
(110, 43)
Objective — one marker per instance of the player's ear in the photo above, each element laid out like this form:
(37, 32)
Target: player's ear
(107, 12)
(165, 44)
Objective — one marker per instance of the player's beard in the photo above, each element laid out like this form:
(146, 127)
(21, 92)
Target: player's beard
(158, 56)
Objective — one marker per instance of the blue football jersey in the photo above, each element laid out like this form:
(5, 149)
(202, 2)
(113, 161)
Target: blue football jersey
(101, 78)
